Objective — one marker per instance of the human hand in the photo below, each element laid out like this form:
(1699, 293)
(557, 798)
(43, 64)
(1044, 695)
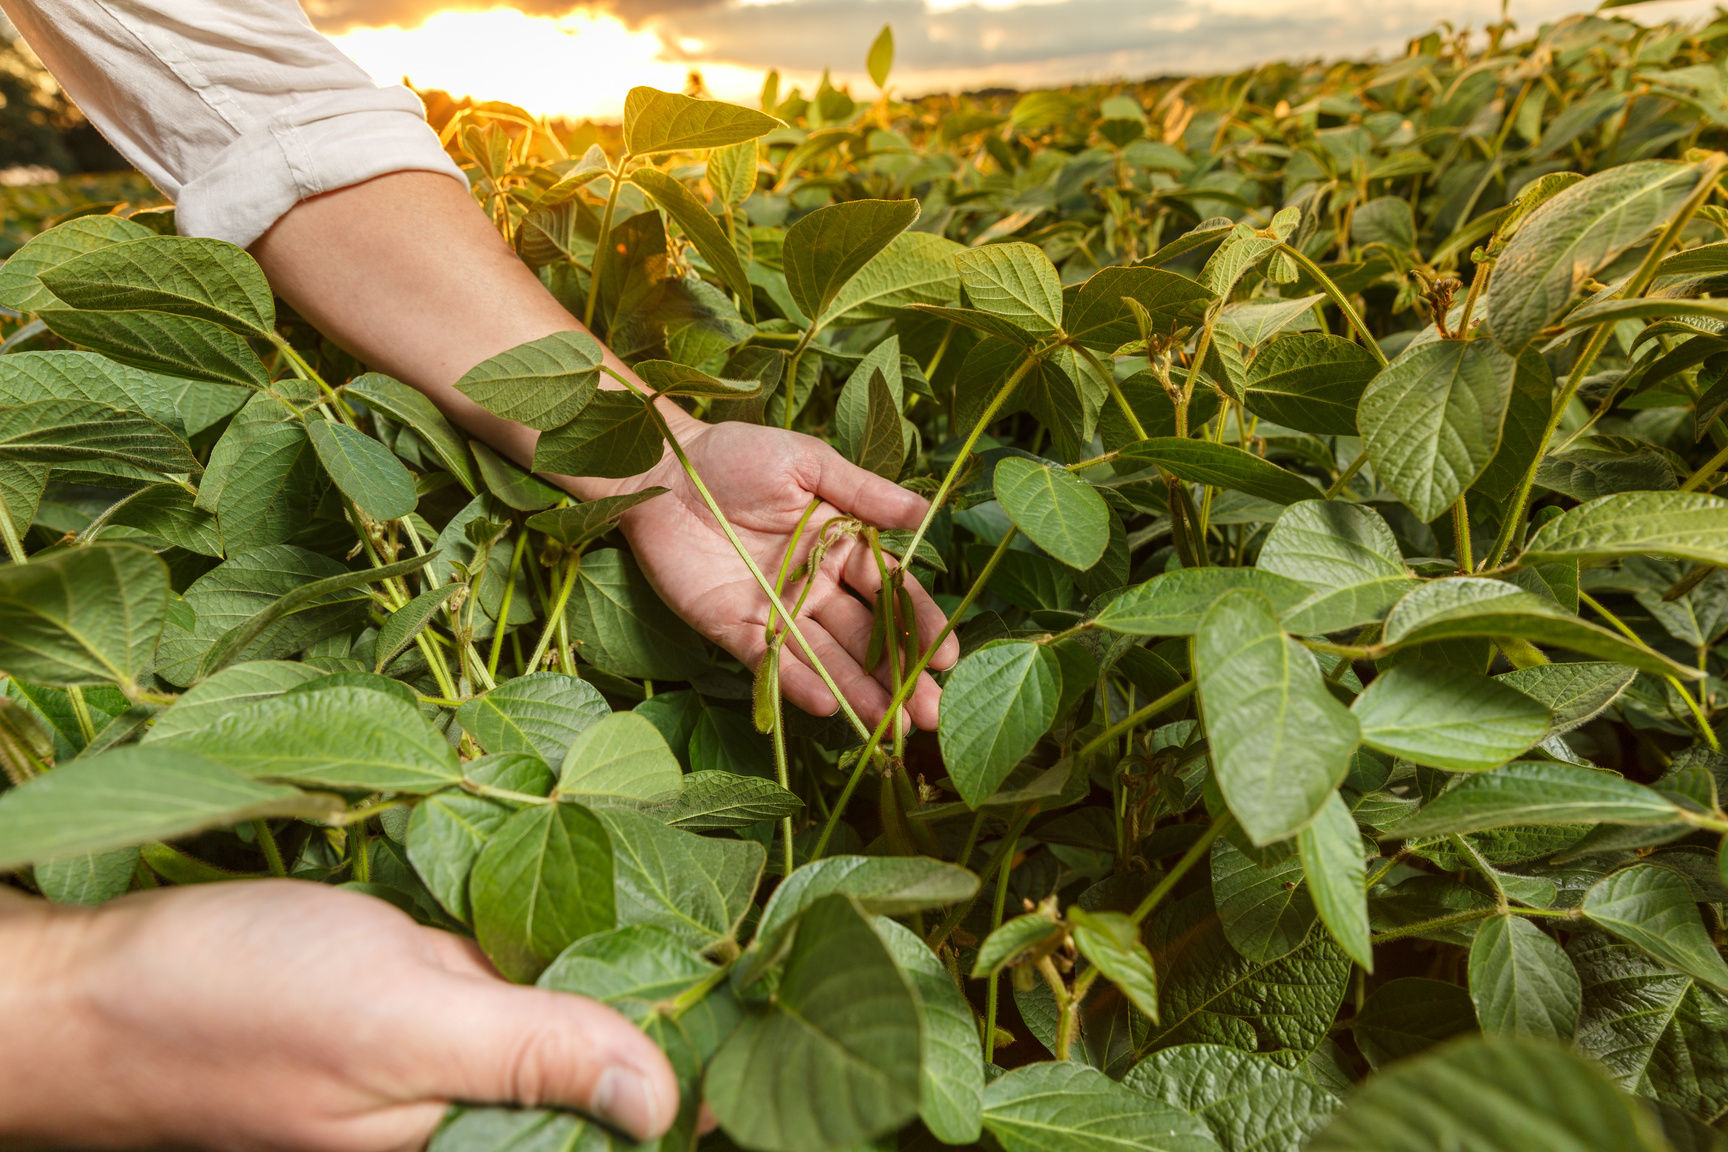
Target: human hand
(278, 1014)
(764, 479)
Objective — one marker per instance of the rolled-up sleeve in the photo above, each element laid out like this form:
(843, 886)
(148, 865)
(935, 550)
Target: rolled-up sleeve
(236, 109)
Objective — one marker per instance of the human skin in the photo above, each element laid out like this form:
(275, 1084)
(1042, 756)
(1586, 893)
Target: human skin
(285, 1016)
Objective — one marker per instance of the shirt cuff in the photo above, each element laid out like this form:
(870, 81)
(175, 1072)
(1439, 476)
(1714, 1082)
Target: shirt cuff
(318, 144)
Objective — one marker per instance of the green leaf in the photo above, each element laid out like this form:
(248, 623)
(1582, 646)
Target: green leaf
(76, 431)
(1573, 692)
(1252, 1103)
(543, 383)
(881, 445)
(1334, 863)
(1431, 420)
(1072, 1108)
(1111, 940)
(827, 248)
(228, 691)
(624, 626)
(1522, 982)
(656, 122)
(1409, 1015)
(1534, 792)
(1280, 742)
(167, 511)
(366, 471)
(513, 486)
(1174, 603)
(696, 887)
(951, 1072)
(1221, 466)
(180, 275)
(1689, 525)
(1057, 510)
(271, 484)
(1448, 718)
(881, 885)
(541, 713)
(83, 615)
(878, 63)
(914, 268)
(622, 756)
(1575, 235)
(159, 342)
(1384, 220)
(26, 377)
(401, 626)
(579, 523)
(723, 800)
(614, 437)
(349, 738)
(1652, 908)
(411, 407)
(446, 834)
(129, 795)
(1014, 282)
(496, 1129)
(20, 284)
(1010, 942)
(1492, 1095)
(634, 969)
(1099, 319)
(1464, 606)
(1310, 381)
(732, 173)
(1265, 910)
(701, 228)
(88, 879)
(999, 701)
(834, 1062)
(669, 378)
(542, 882)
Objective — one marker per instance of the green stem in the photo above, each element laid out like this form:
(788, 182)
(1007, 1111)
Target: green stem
(1109, 379)
(998, 859)
(997, 908)
(1694, 482)
(1338, 298)
(1477, 284)
(1704, 728)
(603, 242)
(81, 710)
(272, 854)
(941, 350)
(1461, 534)
(504, 609)
(9, 530)
(1337, 485)
(556, 614)
(1138, 716)
(786, 560)
(782, 771)
(1181, 867)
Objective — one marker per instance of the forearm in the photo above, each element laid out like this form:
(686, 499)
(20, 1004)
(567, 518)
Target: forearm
(406, 273)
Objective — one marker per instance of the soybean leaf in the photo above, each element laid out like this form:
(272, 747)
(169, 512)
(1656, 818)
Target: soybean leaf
(725, 800)
(1072, 1108)
(1011, 942)
(1015, 282)
(543, 383)
(1522, 982)
(1573, 236)
(1266, 910)
(614, 437)
(1498, 1095)
(20, 284)
(542, 882)
(129, 795)
(1408, 1015)
(401, 626)
(1221, 466)
(78, 431)
(366, 471)
(881, 446)
(881, 885)
(579, 523)
(82, 616)
(1573, 692)
(1334, 863)
(951, 1073)
(827, 248)
(1534, 792)
(656, 121)
(619, 756)
(1464, 606)
(1652, 908)
(476, 1129)
(167, 511)
(1252, 1103)
(1111, 941)
(624, 626)
(914, 268)
(1328, 544)
(1310, 381)
(731, 172)
(90, 878)
(634, 969)
(409, 406)
(1280, 742)
(159, 342)
(1448, 718)
(541, 713)
(696, 887)
(701, 228)
(1690, 525)
(180, 275)
(1174, 603)
(999, 701)
(271, 482)
(1098, 318)
(835, 1061)
(446, 834)
(1058, 511)
(669, 378)
(229, 690)
(512, 486)
(26, 377)
(349, 738)
(1431, 420)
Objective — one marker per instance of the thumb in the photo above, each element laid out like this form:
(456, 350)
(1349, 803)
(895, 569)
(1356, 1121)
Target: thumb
(481, 1040)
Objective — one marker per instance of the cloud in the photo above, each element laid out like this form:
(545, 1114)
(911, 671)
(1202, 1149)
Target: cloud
(333, 17)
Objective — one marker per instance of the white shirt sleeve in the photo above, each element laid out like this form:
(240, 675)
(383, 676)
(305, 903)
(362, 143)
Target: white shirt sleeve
(236, 109)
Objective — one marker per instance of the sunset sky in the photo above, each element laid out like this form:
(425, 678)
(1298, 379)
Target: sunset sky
(552, 57)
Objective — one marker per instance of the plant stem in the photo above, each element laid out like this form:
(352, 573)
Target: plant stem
(557, 614)
(1461, 534)
(9, 530)
(998, 859)
(1706, 471)
(1338, 298)
(272, 854)
(941, 350)
(996, 910)
(1708, 732)
(1337, 485)
(602, 242)
(504, 608)
(1109, 379)
(1477, 284)
(1172, 697)
(781, 771)
(81, 711)
(1189, 858)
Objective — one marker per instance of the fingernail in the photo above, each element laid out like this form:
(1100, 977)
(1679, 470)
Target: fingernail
(624, 1096)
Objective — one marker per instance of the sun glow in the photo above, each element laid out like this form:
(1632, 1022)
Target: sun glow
(577, 65)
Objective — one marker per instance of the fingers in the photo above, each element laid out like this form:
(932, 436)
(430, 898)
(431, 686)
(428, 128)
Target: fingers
(868, 698)
(486, 1041)
(850, 623)
(860, 572)
(859, 492)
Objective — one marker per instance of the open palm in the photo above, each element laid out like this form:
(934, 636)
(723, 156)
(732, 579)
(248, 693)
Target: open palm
(764, 479)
